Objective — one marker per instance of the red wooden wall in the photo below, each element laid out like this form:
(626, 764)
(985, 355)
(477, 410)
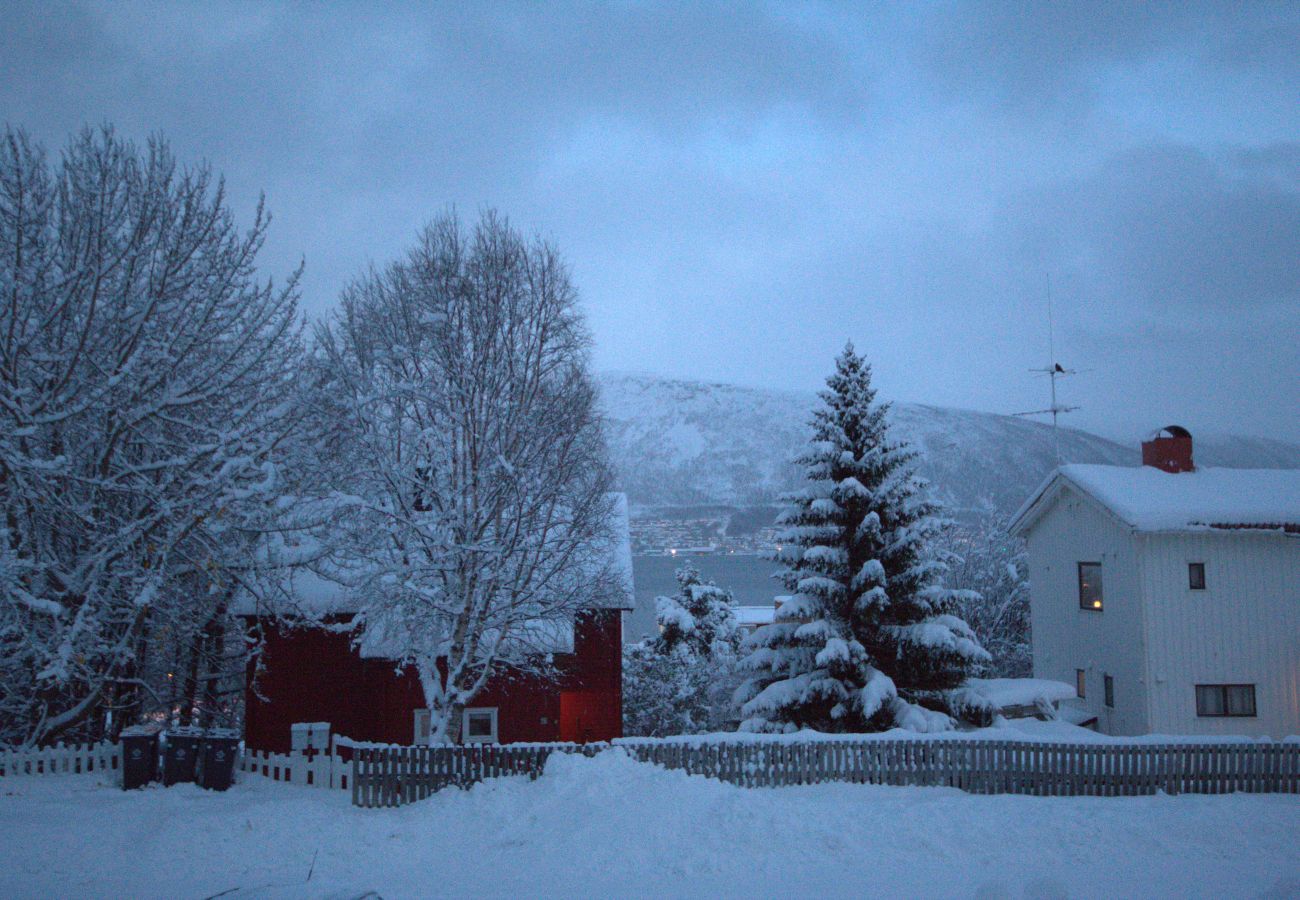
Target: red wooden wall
(311, 674)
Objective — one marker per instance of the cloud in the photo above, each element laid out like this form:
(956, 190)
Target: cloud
(740, 187)
(1167, 228)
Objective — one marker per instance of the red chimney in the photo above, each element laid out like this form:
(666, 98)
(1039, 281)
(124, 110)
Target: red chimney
(1170, 450)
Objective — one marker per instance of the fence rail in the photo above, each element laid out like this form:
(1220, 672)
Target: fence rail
(397, 775)
(62, 759)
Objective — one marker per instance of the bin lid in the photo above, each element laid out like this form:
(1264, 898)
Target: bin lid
(229, 734)
(185, 731)
(147, 730)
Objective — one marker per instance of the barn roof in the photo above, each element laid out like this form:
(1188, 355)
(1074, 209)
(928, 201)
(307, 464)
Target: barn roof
(1148, 499)
(304, 591)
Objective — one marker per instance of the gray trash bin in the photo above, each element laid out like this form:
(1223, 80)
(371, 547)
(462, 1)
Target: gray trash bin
(139, 756)
(181, 754)
(217, 759)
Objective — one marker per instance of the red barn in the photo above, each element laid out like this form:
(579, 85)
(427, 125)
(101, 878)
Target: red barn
(319, 672)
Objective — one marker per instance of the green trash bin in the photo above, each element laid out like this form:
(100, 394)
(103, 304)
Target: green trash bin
(139, 756)
(180, 754)
(217, 759)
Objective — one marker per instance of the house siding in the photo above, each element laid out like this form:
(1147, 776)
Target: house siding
(1244, 628)
(1065, 638)
(311, 674)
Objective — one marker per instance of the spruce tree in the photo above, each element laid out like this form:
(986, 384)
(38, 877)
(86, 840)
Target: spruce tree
(867, 640)
(672, 683)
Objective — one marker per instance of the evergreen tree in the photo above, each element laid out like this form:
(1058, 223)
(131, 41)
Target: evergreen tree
(672, 683)
(868, 639)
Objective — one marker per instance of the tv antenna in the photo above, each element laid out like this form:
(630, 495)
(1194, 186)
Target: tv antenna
(1053, 370)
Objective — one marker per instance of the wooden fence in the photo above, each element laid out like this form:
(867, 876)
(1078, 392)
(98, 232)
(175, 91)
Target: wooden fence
(396, 775)
(62, 759)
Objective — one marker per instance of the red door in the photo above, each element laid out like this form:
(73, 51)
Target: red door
(582, 717)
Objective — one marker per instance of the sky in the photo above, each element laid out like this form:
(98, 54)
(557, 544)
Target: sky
(741, 188)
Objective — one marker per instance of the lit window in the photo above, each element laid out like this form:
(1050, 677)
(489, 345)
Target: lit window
(1216, 700)
(1109, 684)
(1090, 585)
(480, 725)
(1080, 683)
(1196, 576)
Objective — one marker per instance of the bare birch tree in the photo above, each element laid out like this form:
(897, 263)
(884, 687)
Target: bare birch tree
(470, 475)
(145, 380)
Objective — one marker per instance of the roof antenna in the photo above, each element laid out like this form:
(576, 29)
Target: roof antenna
(1052, 370)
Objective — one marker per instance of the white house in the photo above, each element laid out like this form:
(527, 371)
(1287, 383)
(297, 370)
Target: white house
(1169, 595)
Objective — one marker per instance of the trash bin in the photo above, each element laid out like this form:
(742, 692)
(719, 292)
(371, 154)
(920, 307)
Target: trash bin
(217, 760)
(139, 756)
(180, 754)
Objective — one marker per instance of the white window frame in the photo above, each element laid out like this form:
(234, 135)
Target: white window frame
(422, 726)
(465, 737)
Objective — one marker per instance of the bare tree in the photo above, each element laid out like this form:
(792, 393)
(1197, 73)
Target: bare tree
(145, 380)
(470, 480)
(988, 566)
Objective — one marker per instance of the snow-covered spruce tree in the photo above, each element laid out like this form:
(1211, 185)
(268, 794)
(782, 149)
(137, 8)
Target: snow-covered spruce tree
(468, 477)
(867, 640)
(146, 375)
(678, 681)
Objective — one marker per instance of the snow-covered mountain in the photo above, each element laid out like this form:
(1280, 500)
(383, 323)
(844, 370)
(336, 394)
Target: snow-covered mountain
(687, 443)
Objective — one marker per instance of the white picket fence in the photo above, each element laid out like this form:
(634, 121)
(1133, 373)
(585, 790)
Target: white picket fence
(62, 759)
(330, 767)
(312, 769)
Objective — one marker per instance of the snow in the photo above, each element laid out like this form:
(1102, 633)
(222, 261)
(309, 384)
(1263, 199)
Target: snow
(1149, 499)
(1003, 692)
(755, 615)
(612, 827)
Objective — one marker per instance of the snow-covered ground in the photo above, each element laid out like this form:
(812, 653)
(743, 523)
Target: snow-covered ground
(609, 826)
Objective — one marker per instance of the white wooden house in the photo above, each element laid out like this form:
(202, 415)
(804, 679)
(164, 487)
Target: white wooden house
(1169, 595)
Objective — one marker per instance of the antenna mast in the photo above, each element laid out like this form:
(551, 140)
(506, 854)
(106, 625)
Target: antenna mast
(1052, 370)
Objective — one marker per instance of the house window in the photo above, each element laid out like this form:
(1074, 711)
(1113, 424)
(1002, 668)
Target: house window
(1216, 700)
(480, 725)
(423, 726)
(1080, 683)
(1196, 576)
(1090, 586)
(1109, 684)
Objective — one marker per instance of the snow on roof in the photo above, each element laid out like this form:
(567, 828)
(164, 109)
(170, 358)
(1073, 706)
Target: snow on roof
(305, 592)
(1148, 499)
(755, 615)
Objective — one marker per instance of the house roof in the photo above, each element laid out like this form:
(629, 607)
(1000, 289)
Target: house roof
(1149, 499)
(303, 591)
(748, 616)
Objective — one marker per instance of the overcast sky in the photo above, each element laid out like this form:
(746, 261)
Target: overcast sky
(740, 188)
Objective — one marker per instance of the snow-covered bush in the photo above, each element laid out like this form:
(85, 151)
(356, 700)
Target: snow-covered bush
(680, 681)
(869, 638)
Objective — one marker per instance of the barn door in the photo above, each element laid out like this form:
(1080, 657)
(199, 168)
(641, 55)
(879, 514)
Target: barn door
(579, 711)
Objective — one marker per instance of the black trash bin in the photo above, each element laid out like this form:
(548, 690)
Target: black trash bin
(181, 754)
(217, 760)
(139, 756)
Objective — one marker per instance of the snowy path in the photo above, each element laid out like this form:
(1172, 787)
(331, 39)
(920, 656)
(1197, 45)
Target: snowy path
(612, 827)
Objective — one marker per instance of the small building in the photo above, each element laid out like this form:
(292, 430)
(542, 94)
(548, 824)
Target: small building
(319, 669)
(1169, 595)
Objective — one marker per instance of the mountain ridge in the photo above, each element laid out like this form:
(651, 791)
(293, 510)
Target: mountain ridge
(679, 442)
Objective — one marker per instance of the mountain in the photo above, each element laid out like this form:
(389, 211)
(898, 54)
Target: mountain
(690, 443)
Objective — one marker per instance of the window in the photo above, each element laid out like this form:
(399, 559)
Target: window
(1196, 576)
(480, 726)
(1090, 586)
(1080, 683)
(1109, 684)
(1214, 700)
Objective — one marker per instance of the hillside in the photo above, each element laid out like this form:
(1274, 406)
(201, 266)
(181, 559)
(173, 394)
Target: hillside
(689, 443)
